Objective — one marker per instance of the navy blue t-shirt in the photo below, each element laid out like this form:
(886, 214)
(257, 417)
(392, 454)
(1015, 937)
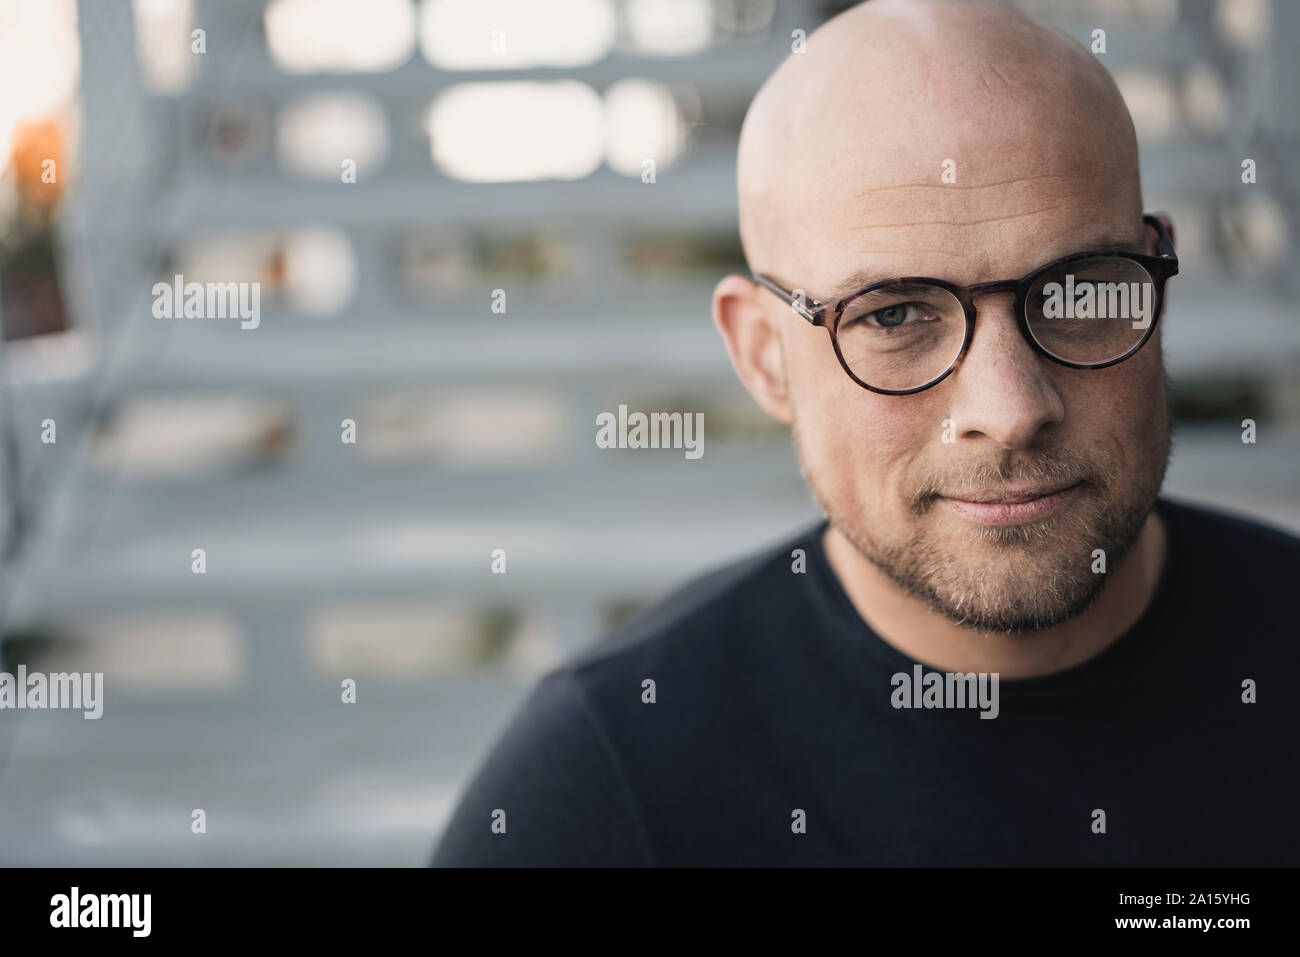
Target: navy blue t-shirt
(774, 737)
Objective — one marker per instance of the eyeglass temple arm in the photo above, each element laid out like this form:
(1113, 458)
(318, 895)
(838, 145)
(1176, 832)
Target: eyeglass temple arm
(1164, 242)
(797, 301)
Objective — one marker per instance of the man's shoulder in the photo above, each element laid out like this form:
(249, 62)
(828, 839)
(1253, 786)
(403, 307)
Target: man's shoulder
(1227, 536)
(1231, 566)
(561, 763)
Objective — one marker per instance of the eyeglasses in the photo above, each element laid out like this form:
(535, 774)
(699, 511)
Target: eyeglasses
(1085, 311)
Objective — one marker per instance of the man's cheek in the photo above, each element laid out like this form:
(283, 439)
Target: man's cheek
(852, 469)
(1129, 403)
(834, 460)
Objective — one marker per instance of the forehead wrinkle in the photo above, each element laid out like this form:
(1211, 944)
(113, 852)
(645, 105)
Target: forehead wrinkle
(901, 210)
(969, 222)
(954, 187)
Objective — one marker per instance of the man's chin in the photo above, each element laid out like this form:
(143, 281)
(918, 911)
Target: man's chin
(1011, 601)
(1006, 578)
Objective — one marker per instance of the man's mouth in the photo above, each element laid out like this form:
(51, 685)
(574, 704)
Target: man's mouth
(1009, 506)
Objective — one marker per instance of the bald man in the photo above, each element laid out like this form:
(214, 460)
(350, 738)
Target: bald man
(1003, 646)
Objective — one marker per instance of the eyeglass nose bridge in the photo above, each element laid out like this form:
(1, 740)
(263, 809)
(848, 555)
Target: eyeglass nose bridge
(1002, 286)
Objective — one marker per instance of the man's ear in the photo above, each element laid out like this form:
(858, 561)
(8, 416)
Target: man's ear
(754, 344)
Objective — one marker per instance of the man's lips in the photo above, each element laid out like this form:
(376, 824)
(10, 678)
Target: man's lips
(1008, 496)
(1005, 506)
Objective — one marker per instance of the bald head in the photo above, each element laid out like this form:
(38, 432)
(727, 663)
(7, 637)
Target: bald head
(855, 133)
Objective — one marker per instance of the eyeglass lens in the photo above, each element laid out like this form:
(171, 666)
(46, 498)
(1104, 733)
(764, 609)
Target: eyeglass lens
(1087, 312)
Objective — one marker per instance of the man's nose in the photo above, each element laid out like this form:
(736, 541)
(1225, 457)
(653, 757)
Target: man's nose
(1003, 389)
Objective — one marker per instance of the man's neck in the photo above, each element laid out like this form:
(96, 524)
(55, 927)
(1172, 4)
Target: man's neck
(929, 637)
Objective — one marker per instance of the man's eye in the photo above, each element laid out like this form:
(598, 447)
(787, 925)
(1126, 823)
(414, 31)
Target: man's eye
(891, 317)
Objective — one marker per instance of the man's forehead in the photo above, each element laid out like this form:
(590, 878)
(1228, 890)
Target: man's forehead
(979, 234)
(990, 213)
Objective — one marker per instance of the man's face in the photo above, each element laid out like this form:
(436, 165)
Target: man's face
(887, 469)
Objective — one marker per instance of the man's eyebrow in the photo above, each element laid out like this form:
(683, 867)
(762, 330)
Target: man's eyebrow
(867, 277)
(859, 280)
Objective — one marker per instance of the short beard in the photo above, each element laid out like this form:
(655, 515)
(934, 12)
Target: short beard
(1037, 589)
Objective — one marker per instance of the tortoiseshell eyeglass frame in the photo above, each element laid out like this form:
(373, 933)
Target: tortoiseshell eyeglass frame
(1159, 267)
